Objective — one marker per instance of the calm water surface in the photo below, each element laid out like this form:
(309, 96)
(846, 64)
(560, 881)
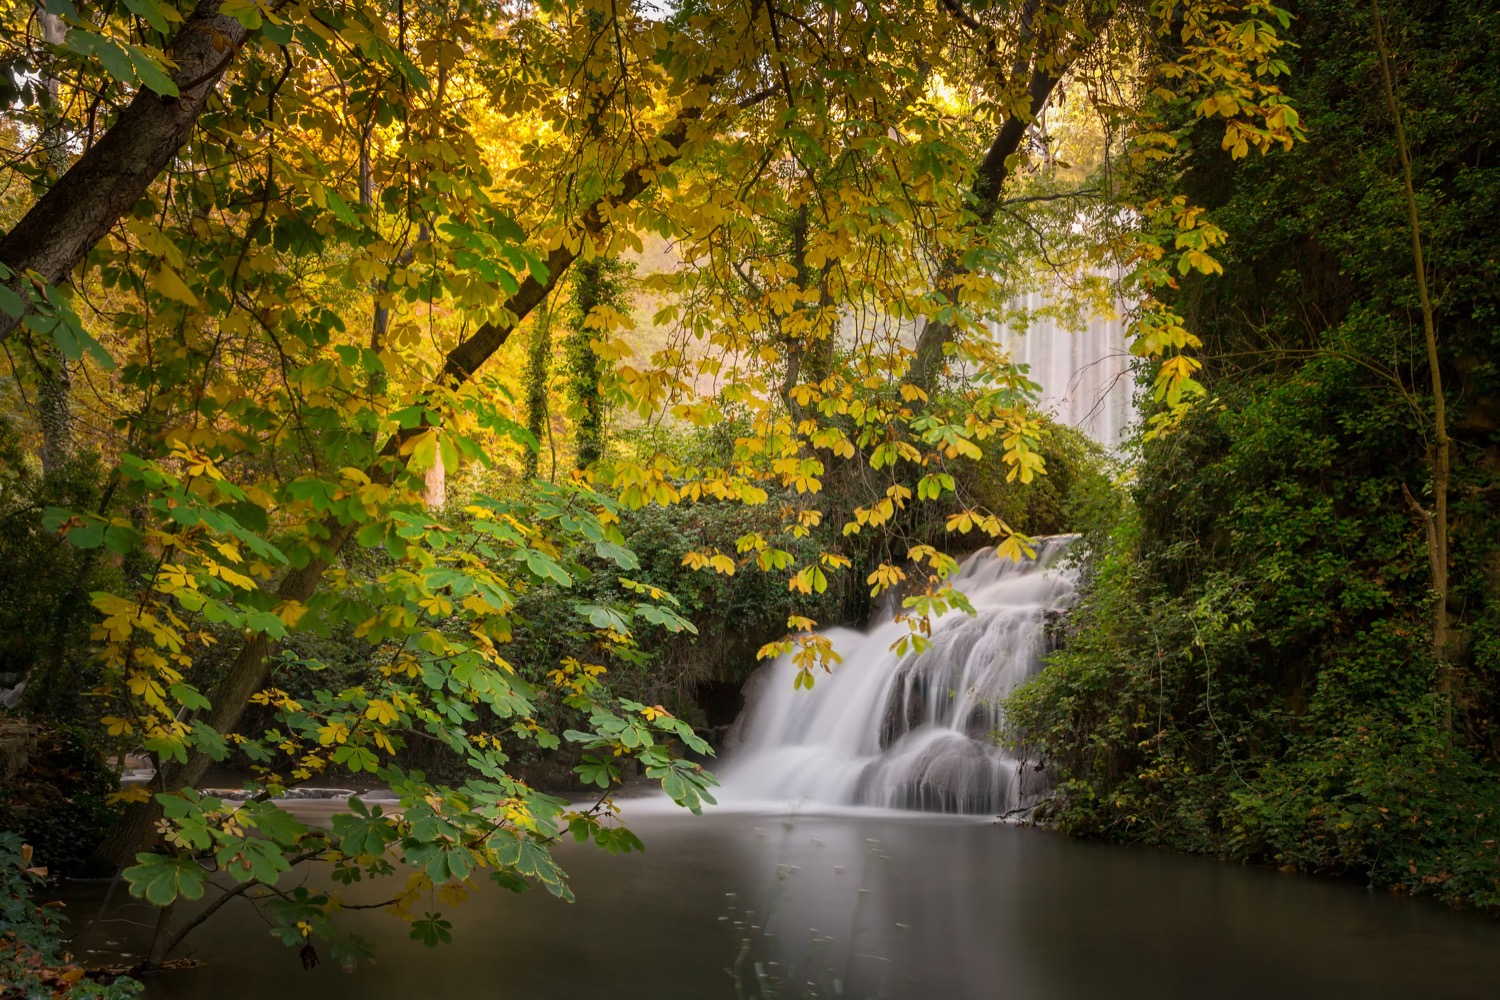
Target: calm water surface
(887, 905)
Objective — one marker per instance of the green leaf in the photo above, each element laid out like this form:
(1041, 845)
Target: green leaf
(267, 622)
(113, 58)
(55, 317)
(340, 208)
(250, 515)
(279, 34)
(670, 620)
(526, 857)
(363, 835)
(602, 617)
(546, 567)
(252, 858)
(247, 12)
(87, 536)
(356, 758)
(153, 12)
(372, 535)
(120, 539)
(594, 771)
(623, 557)
(188, 696)
(160, 880)
(431, 930)
(209, 741)
(275, 823)
(11, 303)
(442, 861)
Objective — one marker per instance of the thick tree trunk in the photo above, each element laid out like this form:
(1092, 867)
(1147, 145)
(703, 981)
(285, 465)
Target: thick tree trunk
(85, 203)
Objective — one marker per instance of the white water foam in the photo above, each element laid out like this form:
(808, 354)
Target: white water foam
(913, 731)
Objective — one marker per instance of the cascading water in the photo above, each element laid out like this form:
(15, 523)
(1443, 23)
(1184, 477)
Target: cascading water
(914, 731)
(918, 731)
(1085, 374)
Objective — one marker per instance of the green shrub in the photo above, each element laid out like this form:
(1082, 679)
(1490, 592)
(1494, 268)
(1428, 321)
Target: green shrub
(33, 963)
(59, 803)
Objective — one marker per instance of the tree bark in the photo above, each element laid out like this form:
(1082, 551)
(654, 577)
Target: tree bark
(55, 391)
(1436, 521)
(591, 289)
(85, 203)
(538, 366)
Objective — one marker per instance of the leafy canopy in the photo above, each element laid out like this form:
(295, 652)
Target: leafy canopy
(307, 313)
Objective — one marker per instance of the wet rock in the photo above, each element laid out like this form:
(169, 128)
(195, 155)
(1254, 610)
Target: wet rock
(17, 740)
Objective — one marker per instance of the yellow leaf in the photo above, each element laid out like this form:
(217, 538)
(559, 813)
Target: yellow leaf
(291, 612)
(381, 712)
(117, 725)
(168, 284)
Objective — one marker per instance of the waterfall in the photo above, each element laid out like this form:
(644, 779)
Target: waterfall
(1084, 374)
(919, 731)
(913, 731)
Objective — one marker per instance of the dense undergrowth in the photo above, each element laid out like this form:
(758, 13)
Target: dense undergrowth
(34, 964)
(59, 803)
(1250, 673)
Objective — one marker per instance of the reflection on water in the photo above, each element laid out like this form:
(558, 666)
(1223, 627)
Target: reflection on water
(888, 905)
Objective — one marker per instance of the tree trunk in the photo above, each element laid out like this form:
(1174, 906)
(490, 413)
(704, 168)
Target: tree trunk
(54, 393)
(591, 289)
(538, 363)
(161, 940)
(85, 202)
(435, 483)
(1439, 454)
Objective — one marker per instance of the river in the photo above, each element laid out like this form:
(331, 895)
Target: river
(898, 905)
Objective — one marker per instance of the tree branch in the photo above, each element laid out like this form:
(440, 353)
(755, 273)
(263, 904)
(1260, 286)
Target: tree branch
(246, 674)
(112, 175)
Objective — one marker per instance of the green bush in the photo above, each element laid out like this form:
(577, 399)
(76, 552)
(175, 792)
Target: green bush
(59, 803)
(1249, 673)
(45, 614)
(33, 963)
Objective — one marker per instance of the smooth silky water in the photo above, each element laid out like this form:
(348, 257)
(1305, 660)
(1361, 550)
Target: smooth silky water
(912, 731)
(898, 905)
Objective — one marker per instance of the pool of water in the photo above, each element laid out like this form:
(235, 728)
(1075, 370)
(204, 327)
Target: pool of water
(894, 905)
